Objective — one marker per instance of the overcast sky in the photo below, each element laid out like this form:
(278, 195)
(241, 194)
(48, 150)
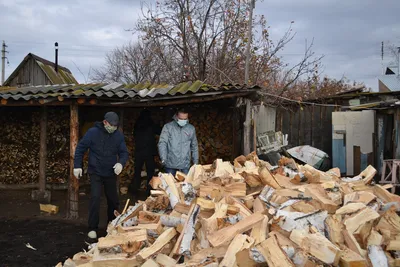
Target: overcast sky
(349, 33)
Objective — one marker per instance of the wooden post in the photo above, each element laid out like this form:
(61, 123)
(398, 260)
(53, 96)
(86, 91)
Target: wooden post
(43, 149)
(73, 194)
(247, 126)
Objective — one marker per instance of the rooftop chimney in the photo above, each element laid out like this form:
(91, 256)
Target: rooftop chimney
(56, 61)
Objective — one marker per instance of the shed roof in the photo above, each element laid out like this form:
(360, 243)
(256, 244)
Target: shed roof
(112, 92)
(63, 76)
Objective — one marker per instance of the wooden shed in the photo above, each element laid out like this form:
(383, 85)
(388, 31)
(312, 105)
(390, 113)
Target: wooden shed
(34, 70)
(44, 124)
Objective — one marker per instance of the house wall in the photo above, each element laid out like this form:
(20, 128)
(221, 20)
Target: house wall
(382, 87)
(307, 125)
(265, 117)
(217, 125)
(30, 74)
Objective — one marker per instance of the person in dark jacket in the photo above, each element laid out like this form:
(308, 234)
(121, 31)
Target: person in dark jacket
(144, 133)
(108, 155)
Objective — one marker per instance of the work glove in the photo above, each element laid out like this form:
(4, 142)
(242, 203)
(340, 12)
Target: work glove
(78, 173)
(117, 168)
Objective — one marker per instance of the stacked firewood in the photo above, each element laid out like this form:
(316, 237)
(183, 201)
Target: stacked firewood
(20, 143)
(254, 214)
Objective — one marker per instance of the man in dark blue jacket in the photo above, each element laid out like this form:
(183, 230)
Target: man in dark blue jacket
(107, 157)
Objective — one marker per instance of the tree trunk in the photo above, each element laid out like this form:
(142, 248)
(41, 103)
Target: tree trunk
(73, 196)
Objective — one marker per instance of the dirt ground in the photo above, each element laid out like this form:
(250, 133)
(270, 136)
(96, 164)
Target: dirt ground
(53, 236)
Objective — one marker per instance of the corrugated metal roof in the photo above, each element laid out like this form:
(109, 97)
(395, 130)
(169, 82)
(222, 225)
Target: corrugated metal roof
(63, 76)
(117, 91)
(392, 82)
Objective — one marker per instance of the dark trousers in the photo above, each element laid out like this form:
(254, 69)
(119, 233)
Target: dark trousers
(140, 160)
(110, 190)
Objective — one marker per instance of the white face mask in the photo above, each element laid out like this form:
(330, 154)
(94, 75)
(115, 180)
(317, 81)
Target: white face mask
(110, 129)
(182, 122)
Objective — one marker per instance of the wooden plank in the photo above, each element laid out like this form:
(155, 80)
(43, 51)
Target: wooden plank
(73, 189)
(160, 242)
(52, 209)
(228, 233)
(273, 253)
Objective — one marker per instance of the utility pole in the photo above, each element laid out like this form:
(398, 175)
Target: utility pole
(249, 38)
(3, 62)
(398, 61)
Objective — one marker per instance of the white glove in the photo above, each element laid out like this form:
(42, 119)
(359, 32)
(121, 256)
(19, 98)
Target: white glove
(78, 173)
(117, 168)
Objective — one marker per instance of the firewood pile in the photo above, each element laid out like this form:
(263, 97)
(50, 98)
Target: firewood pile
(254, 214)
(20, 143)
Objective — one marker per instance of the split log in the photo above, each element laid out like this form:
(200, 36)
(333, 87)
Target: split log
(273, 253)
(165, 261)
(363, 216)
(351, 259)
(350, 208)
(182, 245)
(393, 245)
(52, 209)
(318, 193)
(169, 186)
(334, 228)
(377, 256)
(129, 242)
(361, 197)
(160, 242)
(260, 231)
(228, 233)
(234, 247)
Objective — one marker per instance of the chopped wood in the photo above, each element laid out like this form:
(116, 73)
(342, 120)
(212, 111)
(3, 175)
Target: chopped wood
(260, 231)
(273, 253)
(170, 188)
(375, 238)
(252, 214)
(368, 174)
(385, 195)
(361, 217)
(334, 228)
(150, 263)
(362, 197)
(182, 245)
(160, 242)
(129, 242)
(352, 243)
(351, 259)
(318, 193)
(320, 247)
(393, 245)
(228, 233)
(234, 247)
(377, 256)
(350, 208)
(52, 209)
(180, 176)
(268, 179)
(165, 261)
